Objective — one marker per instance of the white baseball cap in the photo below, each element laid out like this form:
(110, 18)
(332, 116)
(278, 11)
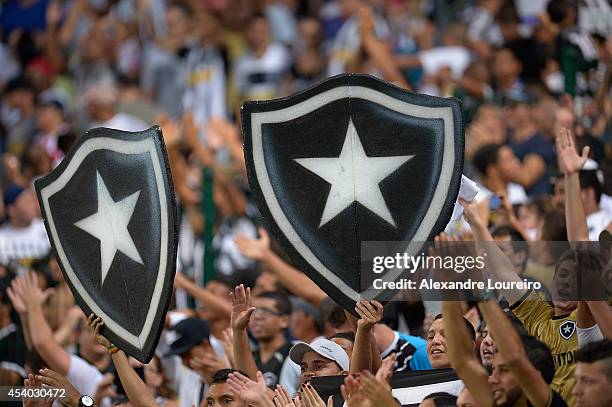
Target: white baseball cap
(324, 347)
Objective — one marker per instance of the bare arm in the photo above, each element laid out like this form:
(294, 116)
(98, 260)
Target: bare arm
(462, 356)
(69, 27)
(241, 314)
(41, 334)
(294, 280)
(498, 264)
(62, 334)
(378, 51)
(603, 316)
(509, 345)
(137, 391)
(532, 170)
(217, 305)
(570, 163)
(584, 318)
(15, 294)
(370, 313)
(291, 278)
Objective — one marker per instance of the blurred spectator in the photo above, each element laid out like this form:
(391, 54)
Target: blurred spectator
(345, 46)
(101, 102)
(499, 169)
(23, 237)
(523, 69)
(18, 114)
(259, 73)
(204, 95)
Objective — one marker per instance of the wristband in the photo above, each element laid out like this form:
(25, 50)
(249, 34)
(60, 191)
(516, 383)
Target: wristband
(112, 349)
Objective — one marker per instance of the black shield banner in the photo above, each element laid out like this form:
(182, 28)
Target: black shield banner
(349, 161)
(110, 213)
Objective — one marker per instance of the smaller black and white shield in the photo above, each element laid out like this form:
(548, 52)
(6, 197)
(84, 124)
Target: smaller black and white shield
(350, 161)
(567, 329)
(110, 213)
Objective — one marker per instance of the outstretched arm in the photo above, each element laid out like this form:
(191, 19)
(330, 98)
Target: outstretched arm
(509, 344)
(498, 264)
(217, 305)
(378, 51)
(291, 278)
(137, 391)
(462, 356)
(41, 334)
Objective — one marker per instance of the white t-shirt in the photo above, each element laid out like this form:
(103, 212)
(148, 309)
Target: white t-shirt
(83, 376)
(516, 193)
(589, 335)
(605, 204)
(184, 381)
(597, 222)
(24, 243)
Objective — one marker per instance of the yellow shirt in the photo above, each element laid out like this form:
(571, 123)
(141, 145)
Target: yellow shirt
(557, 332)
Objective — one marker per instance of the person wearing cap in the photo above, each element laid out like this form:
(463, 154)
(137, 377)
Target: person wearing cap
(321, 357)
(23, 237)
(189, 341)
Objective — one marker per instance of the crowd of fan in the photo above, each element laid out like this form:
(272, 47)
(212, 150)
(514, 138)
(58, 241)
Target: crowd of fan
(535, 81)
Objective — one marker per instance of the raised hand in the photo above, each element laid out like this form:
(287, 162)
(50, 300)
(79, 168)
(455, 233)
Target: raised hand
(32, 295)
(282, 397)
(106, 387)
(15, 294)
(352, 394)
(241, 307)
(55, 380)
(387, 368)
(310, 398)
(378, 392)
(470, 213)
(250, 391)
(32, 381)
(95, 323)
(208, 365)
(370, 313)
(254, 248)
(567, 155)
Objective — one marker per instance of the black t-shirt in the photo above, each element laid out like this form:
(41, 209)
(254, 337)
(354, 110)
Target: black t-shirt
(272, 368)
(12, 349)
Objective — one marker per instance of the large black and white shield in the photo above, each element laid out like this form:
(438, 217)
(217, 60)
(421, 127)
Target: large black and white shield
(349, 161)
(110, 213)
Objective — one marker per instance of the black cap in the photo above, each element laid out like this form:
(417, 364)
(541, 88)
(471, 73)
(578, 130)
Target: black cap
(189, 332)
(18, 83)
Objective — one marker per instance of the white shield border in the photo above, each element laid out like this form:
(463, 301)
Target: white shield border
(123, 147)
(356, 92)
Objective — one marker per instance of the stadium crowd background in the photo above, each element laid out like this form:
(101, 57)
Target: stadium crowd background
(525, 71)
